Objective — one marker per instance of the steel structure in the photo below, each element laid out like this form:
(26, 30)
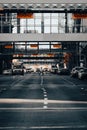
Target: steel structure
(7, 7)
(39, 5)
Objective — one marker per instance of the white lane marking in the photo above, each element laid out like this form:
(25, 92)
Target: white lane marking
(45, 127)
(54, 109)
(45, 102)
(45, 106)
(13, 101)
(45, 92)
(55, 127)
(44, 89)
(41, 80)
(45, 98)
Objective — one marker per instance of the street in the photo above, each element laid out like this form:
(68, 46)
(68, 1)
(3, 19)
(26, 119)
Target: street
(42, 102)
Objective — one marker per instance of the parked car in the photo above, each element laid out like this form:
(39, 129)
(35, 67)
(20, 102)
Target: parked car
(64, 71)
(82, 74)
(54, 69)
(7, 71)
(17, 69)
(29, 70)
(75, 70)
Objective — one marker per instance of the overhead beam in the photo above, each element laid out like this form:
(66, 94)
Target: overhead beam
(79, 37)
(43, 1)
(43, 6)
(35, 58)
(44, 11)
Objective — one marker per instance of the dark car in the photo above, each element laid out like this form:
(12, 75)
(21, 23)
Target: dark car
(64, 71)
(54, 69)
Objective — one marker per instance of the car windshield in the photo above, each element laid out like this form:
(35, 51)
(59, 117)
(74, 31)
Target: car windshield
(17, 67)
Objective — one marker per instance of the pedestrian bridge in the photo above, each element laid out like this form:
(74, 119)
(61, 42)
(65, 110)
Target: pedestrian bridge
(43, 37)
(41, 6)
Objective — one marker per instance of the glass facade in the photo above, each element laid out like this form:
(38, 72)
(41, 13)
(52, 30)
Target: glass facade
(52, 23)
(42, 23)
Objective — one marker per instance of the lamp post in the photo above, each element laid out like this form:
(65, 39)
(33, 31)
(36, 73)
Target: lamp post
(82, 57)
(82, 60)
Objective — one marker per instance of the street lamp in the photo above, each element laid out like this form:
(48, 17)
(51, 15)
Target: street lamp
(82, 60)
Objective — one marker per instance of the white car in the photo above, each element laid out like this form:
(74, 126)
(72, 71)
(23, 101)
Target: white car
(75, 70)
(7, 72)
(82, 74)
(17, 70)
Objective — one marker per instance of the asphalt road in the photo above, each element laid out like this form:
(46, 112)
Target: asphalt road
(48, 102)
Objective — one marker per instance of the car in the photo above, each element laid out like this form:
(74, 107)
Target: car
(54, 69)
(75, 70)
(45, 69)
(63, 71)
(29, 70)
(82, 74)
(7, 71)
(17, 69)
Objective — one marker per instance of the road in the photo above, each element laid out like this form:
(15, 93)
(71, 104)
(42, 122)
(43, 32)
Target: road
(42, 102)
